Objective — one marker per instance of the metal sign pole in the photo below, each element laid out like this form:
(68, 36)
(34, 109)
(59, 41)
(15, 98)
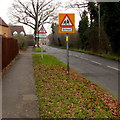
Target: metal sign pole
(67, 47)
(42, 24)
(41, 50)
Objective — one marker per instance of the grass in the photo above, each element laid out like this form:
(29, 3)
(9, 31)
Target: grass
(38, 49)
(112, 57)
(63, 96)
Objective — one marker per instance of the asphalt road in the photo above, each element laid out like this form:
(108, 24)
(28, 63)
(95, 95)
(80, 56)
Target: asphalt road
(101, 71)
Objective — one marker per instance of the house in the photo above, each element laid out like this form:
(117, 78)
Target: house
(4, 29)
(17, 30)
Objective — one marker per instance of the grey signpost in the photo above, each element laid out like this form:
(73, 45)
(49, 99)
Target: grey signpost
(67, 47)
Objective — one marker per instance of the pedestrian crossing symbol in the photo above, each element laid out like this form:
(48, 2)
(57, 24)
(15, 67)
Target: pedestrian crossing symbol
(66, 22)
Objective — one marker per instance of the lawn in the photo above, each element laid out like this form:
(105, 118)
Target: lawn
(73, 96)
(112, 57)
(38, 49)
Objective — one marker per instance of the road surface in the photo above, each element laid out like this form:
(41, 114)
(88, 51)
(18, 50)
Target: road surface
(103, 72)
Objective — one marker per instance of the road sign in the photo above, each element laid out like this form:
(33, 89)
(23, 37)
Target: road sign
(42, 30)
(66, 23)
(41, 35)
(66, 29)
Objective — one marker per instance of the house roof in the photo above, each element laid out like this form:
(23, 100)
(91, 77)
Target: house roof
(2, 22)
(18, 29)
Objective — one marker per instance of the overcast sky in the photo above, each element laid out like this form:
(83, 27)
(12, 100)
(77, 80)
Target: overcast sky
(5, 5)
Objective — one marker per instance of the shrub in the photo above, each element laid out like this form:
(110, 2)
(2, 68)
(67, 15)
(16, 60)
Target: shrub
(22, 41)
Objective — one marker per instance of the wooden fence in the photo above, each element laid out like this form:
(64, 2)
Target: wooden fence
(9, 50)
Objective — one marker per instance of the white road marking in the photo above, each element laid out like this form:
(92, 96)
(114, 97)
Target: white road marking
(81, 57)
(93, 61)
(113, 68)
(96, 62)
(84, 58)
(76, 55)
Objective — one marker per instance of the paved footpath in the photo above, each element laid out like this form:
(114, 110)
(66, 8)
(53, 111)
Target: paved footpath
(19, 99)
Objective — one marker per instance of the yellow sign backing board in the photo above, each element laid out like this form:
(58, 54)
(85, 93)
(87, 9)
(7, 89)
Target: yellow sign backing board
(66, 23)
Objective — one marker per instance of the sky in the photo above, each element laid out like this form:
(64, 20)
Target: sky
(5, 7)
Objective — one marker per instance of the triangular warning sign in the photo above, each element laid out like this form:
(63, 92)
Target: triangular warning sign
(66, 22)
(42, 30)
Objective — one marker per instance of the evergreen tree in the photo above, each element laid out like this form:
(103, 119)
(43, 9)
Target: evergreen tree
(111, 19)
(93, 11)
(82, 28)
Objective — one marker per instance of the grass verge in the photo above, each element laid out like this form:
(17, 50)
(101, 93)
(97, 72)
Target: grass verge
(63, 96)
(38, 49)
(112, 57)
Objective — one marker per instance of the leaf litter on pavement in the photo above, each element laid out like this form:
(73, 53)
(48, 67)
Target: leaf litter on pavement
(73, 96)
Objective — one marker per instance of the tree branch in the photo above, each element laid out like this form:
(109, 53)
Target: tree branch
(29, 12)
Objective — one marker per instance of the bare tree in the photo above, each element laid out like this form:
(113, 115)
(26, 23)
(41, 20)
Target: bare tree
(78, 5)
(34, 13)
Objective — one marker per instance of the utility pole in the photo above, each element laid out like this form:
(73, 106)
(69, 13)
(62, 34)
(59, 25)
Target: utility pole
(99, 33)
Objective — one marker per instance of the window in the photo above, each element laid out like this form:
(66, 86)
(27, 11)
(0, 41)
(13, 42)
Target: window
(22, 33)
(15, 33)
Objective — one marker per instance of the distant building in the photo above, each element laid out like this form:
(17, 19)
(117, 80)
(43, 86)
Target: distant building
(17, 30)
(4, 29)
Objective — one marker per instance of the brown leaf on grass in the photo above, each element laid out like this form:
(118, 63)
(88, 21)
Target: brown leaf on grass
(75, 86)
(112, 104)
(63, 68)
